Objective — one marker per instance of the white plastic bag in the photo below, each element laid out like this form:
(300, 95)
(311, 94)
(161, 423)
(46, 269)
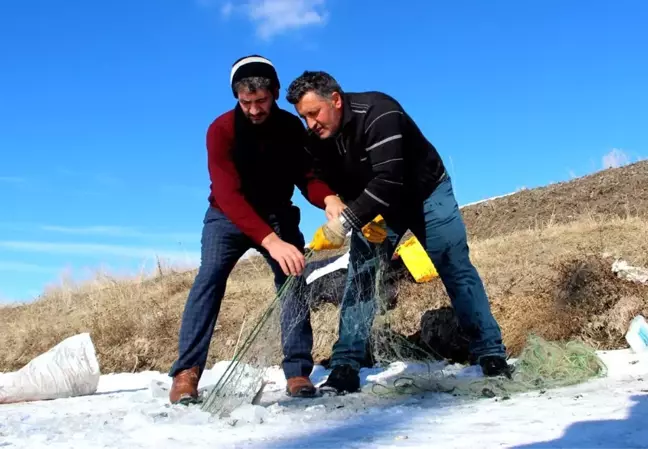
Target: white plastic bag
(630, 273)
(68, 369)
(637, 335)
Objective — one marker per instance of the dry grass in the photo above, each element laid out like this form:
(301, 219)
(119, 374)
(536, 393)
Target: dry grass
(134, 323)
(555, 282)
(551, 279)
(615, 192)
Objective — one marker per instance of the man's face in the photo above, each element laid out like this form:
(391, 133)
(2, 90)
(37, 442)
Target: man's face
(256, 105)
(322, 115)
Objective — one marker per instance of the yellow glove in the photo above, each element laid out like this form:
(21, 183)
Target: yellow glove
(376, 230)
(329, 236)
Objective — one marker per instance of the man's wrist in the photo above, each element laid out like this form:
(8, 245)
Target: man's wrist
(269, 239)
(352, 221)
(331, 198)
(345, 223)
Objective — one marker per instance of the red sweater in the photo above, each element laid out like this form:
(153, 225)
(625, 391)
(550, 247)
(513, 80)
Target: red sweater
(226, 193)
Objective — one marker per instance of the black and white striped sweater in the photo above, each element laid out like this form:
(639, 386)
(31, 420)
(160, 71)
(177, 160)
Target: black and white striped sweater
(379, 162)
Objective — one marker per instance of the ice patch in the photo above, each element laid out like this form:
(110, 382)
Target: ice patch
(399, 372)
(249, 414)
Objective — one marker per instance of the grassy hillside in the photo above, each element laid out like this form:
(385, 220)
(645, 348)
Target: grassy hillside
(545, 256)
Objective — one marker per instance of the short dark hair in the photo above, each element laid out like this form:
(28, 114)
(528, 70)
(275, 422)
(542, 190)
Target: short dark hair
(319, 82)
(253, 83)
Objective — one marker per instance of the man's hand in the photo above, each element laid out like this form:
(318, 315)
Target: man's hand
(376, 230)
(334, 207)
(292, 261)
(329, 236)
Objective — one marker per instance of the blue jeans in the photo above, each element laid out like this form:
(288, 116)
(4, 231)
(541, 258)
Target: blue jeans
(440, 228)
(222, 245)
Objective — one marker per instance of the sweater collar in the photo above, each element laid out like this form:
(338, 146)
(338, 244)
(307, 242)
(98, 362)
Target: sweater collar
(347, 113)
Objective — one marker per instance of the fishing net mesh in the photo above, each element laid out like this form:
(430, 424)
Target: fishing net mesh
(368, 292)
(542, 365)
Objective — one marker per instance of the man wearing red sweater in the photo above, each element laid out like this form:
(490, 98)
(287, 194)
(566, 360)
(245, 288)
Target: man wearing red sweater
(256, 157)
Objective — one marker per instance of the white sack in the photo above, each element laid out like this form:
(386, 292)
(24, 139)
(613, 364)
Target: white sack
(68, 369)
(339, 264)
(630, 273)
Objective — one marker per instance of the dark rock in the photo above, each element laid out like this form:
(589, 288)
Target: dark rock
(441, 335)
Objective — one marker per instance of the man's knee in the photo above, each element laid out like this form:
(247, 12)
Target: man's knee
(214, 272)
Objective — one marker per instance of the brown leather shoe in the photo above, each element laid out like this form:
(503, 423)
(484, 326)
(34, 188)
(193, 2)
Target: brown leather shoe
(301, 387)
(185, 387)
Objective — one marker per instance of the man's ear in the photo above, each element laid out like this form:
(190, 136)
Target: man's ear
(275, 92)
(336, 99)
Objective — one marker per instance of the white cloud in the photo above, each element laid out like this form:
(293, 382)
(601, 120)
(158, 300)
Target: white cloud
(227, 9)
(615, 158)
(276, 16)
(20, 267)
(273, 17)
(12, 179)
(85, 177)
(115, 231)
(96, 249)
(108, 180)
(182, 190)
(121, 231)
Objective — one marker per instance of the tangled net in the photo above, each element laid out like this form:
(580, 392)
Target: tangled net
(542, 365)
(244, 377)
(369, 291)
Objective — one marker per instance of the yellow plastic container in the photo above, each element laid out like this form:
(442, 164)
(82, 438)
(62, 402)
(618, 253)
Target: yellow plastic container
(416, 260)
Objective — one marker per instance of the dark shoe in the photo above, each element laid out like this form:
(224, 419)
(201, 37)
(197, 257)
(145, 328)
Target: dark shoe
(343, 379)
(184, 389)
(300, 387)
(495, 365)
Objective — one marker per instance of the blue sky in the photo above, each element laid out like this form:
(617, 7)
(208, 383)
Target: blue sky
(104, 107)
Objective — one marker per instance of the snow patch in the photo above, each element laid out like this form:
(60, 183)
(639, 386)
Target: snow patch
(606, 412)
(248, 413)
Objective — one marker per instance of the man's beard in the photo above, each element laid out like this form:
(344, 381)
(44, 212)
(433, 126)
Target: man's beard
(257, 118)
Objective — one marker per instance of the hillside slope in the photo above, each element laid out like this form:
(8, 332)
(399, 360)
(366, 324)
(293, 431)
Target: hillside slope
(616, 192)
(541, 276)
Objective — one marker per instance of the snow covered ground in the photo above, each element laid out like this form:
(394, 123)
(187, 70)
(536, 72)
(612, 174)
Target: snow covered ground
(131, 411)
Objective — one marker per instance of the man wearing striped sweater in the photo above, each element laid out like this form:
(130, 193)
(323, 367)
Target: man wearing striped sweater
(374, 156)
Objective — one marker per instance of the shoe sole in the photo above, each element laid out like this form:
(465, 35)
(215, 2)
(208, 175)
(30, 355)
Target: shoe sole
(186, 400)
(302, 394)
(505, 373)
(330, 391)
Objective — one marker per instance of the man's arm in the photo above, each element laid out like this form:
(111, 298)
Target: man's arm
(314, 189)
(226, 186)
(320, 194)
(384, 149)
